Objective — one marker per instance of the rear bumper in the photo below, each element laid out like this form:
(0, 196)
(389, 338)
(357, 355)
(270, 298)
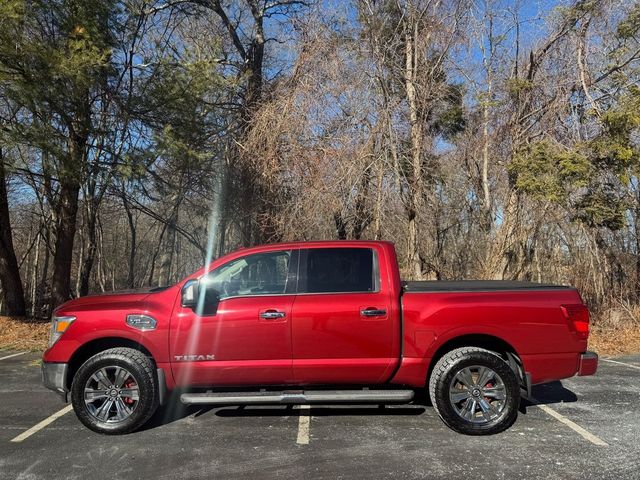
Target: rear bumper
(588, 364)
(54, 377)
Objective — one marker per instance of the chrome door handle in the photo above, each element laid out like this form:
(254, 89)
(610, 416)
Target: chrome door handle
(272, 315)
(373, 312)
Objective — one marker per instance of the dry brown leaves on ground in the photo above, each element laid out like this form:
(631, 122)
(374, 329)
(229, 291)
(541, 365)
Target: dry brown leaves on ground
(615, 330)
(24, 334)
(615, 341)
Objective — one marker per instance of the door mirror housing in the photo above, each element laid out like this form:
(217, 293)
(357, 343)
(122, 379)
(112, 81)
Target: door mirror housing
(191, 292)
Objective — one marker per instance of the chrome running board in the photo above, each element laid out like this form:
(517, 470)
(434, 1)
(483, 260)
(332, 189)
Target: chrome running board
(296, 397)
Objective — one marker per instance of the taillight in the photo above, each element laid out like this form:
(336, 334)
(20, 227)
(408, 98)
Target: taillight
(578, 316)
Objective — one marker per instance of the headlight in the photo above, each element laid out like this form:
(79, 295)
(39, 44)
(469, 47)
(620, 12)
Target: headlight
(59, 325)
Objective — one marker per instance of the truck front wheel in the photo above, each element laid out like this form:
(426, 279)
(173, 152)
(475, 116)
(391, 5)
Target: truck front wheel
(474, 391)
(115, 391)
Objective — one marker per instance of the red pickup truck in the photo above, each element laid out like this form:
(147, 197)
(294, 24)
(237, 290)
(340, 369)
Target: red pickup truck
(316, 322)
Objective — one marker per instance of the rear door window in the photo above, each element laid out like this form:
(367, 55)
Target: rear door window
(338, 270)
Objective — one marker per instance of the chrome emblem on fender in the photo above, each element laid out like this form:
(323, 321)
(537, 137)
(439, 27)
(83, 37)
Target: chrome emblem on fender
(193, 358)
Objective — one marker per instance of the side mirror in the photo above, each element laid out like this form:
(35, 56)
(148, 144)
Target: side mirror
(190, 294)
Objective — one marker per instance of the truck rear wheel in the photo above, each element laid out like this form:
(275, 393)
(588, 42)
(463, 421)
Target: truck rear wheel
(474, 391)
(115, 391)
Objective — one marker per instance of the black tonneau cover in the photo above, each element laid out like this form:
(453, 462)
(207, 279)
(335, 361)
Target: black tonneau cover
(476, 286)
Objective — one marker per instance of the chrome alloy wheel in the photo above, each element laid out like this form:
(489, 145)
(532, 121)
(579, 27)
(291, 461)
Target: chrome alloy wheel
(477, 394)
(111, 394)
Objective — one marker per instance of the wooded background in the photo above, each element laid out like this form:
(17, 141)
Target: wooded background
(488, 139)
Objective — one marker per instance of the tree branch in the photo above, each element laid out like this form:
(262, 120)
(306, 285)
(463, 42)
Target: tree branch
(216, 6)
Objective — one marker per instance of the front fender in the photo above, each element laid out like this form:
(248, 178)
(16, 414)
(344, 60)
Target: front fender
(78, 336)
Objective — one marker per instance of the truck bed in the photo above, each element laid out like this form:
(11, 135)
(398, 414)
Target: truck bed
(477, 286)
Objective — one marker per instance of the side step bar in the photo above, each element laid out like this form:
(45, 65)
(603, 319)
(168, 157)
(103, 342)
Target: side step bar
(297, 396)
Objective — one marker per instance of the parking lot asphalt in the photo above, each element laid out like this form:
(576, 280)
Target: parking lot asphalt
(584, 427)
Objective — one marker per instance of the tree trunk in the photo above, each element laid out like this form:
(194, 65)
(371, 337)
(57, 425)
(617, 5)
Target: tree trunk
(501, 253)
(362, 217)
(255, 60)
(377, 222)
(66, 215)
(34, 278)
(90, 254)
(413, 254)
(79, 261)
(9, 270)
(131, 272)
(168, 249)
(244, 184)
(152, 270)
(43, 285)
(101, 263)
(222, 206)
(65, 233)
(486, 200)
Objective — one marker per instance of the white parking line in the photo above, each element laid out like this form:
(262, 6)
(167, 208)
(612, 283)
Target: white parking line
(36, 428)
(304, 420)
(606, 360)
(573, 426)
(11, 356)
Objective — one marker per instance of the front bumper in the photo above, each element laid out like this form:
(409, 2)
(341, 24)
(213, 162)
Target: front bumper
(54, 377)
(588, 364)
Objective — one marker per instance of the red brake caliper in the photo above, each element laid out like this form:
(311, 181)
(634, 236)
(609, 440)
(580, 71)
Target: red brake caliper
(488, 385)
(129, 384)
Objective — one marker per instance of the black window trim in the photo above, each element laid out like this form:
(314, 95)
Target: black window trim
(302, 271)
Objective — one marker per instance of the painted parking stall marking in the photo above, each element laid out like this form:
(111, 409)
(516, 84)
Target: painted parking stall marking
(36, 428)
(572, 425)
(611, 361)
(13, 355)
(304, 423)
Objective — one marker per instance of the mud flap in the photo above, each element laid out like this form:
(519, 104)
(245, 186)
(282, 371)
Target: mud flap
(162, 387)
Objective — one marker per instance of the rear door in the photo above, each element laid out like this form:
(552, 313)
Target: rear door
(343, 328)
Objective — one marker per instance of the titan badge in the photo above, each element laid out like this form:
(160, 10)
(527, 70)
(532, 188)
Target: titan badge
(193, 358)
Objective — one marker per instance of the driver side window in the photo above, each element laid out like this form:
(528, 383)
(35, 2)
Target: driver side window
(259, 274)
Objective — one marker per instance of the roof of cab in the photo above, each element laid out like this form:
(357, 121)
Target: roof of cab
(316, 243)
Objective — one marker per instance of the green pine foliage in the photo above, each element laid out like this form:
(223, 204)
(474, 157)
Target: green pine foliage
(589, 178)
(547, 171)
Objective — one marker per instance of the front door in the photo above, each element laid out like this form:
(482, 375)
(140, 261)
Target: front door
(343, 328)
(245, 339)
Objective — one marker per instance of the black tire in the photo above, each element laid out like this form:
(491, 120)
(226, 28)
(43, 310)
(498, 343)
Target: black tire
(142, 374)
(444, 374)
